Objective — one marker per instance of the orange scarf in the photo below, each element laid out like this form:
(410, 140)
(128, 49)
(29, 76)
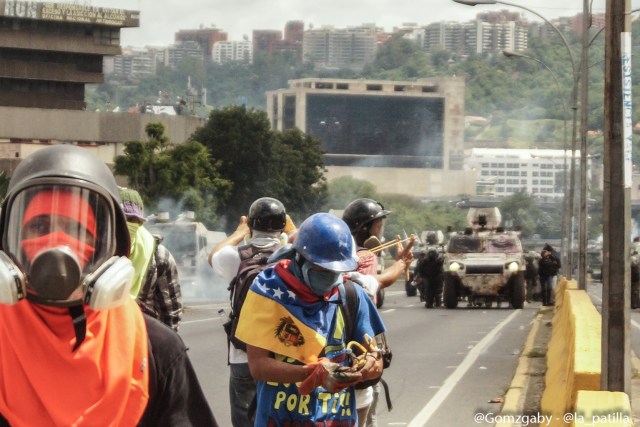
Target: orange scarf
(42, 382)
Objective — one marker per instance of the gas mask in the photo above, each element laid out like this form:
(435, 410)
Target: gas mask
(320, 281)
(60, 251)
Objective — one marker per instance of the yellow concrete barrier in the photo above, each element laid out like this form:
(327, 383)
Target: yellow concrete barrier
(573, 355)
(601, 408)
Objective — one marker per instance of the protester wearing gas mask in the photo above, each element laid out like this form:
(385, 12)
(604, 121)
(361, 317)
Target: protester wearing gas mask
(67, 319)
(308, 358)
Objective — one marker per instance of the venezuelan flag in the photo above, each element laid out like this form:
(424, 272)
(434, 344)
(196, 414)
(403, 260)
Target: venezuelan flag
(275, 318)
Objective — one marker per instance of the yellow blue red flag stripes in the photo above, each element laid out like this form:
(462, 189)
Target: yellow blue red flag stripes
(275, 318)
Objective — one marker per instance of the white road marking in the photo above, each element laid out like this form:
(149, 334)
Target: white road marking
(430, 408)
(208, 319)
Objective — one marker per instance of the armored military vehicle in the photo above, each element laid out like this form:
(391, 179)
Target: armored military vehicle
(484, 263)
(189, 242)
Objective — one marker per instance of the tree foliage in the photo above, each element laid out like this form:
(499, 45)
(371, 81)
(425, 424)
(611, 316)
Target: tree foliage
(520, 209)
(409, 215)
(262, 163)
(174, 178)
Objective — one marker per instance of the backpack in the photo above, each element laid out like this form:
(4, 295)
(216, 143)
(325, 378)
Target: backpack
(349, 307)
(252, 261)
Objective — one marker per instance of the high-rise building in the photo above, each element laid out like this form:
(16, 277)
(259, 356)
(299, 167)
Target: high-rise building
(49, 51)
(490, 32)
(328, 47)
(173, 55)
(133, 63)
(266, 41)
(228, 51)
(294, 32)
(205, 37)
(447, 36)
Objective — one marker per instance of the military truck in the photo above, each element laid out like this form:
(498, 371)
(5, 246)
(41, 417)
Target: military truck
(484, 264)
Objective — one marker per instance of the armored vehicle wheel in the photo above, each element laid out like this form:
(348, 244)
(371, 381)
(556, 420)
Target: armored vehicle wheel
(449, 295)
(517, 292)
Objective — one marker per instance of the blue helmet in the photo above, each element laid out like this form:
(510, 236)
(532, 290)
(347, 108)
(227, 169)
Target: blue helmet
(325, 240)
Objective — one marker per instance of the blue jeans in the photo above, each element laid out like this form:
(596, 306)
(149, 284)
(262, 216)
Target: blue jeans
(546, 288)
(242, 391)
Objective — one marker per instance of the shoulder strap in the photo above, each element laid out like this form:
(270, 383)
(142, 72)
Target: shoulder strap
(349, 306)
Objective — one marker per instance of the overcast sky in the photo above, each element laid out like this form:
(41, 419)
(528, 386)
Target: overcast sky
(161, 19)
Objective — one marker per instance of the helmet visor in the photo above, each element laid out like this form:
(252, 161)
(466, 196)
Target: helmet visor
(60, 216)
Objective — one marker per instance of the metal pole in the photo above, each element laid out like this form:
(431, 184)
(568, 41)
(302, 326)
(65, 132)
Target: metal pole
(616, 364)
(584, 123)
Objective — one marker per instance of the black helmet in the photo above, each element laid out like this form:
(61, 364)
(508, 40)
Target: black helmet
(362, 211)
(267, 214)
(71, 166)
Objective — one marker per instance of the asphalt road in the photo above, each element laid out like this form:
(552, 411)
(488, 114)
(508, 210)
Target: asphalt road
(448, 365)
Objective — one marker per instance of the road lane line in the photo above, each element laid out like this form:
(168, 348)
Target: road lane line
(208, 319)
(432, 406)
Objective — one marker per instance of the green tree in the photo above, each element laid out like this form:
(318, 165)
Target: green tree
(297, 173)
(260, 162)
(182, 173)
(520, 209)
(140, 161)
(240, 142)
(345, 189)
(394, 53)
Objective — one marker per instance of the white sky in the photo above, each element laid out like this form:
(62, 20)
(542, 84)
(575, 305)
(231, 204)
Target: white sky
(161, 19)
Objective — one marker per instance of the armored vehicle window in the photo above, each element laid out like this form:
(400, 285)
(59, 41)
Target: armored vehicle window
(503, 244)
(464, 244)
(179, 240)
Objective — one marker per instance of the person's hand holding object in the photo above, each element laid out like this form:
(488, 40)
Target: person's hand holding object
(331, 376)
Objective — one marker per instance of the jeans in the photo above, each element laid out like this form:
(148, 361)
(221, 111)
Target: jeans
(372, 420)
(242, 391)
(546, 287)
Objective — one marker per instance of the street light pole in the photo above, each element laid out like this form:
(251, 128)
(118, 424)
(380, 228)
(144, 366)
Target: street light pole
(574, 106)
(566, 216)
(584, 121)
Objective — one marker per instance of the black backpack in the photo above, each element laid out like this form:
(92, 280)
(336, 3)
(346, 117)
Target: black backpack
(349, 307)
(252, 261)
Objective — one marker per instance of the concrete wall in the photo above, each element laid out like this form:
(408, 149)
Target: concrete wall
(89, 127)
(421, 183)
(572, 380)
